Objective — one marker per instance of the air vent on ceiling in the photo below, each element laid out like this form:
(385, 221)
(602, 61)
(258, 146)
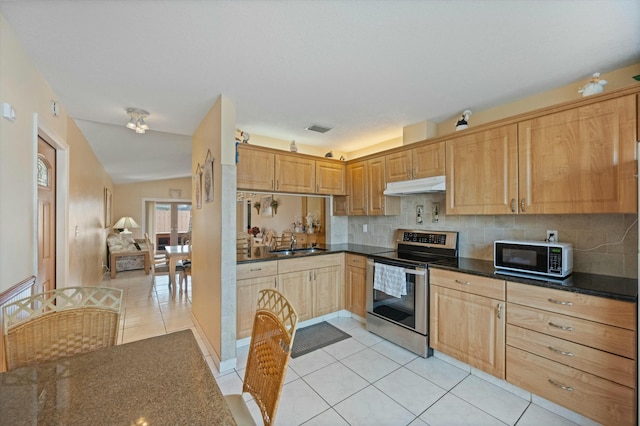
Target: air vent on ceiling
(318, 128)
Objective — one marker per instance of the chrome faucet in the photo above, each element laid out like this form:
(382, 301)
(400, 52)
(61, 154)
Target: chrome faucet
(293, 242)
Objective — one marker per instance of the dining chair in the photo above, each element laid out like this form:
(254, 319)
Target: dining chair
(59, 323)
(160, 263)
(274, 328)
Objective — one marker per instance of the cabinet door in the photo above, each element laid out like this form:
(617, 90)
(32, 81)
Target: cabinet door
(427, 161)
(398, 166)
(469, 328)
(357, 186)
(580, 160)
(326, 287)
(376, 185)
(297, 288)
(482, 172)
(330, 178)
(341, 205)
(356, 291)
(247, 298)
(255, 169)
(295, 174)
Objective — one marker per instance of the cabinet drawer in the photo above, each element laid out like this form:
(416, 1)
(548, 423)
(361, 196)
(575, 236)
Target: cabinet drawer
(474, 284)
(599, 399)
(594, 308)
(310, 262)
(356, 261)
(599, 363)
(256, 270)
(600, 336)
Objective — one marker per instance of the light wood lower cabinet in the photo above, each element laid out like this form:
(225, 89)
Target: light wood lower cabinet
(467, 319)
(312, 284)
(355, 284)
(251, 278)
(297, 288)
(576, 350)
(468, 327)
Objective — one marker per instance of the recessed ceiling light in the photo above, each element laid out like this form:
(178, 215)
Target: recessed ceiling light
(318, 128)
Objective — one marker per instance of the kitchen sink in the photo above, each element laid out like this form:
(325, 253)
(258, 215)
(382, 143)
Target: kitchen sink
(297, 251)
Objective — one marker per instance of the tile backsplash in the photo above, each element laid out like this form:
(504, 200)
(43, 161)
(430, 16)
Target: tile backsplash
(605, 244)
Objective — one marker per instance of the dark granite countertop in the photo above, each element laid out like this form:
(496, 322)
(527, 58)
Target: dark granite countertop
(161, 380)
(619, 288)
(261, 254)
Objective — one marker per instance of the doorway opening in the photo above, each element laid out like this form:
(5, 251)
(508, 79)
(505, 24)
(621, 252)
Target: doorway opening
(171, 223)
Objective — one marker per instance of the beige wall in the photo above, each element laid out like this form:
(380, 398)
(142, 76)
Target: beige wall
(129, 198)
(214, 268)
(87, 182)
(302, 147)
(22, 86)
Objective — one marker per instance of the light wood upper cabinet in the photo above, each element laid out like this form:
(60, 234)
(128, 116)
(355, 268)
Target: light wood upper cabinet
(376, 187)
(365, 186)
(581, 160)
(357, 188)
(482, 172)
(416, 163)
(294, 173)
(255, 169)
(398, 165)
(330, 178)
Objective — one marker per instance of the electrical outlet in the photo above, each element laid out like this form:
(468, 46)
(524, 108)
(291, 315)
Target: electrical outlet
(419, 212)
(364, 227)
(435, 212)
(552, 236)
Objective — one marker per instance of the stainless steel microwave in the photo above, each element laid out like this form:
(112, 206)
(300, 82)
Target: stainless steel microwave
(551, 259)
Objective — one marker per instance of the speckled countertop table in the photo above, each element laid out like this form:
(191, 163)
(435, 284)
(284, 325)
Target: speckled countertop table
(163, 380)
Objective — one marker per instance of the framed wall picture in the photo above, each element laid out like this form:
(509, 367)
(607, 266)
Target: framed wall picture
(197, 181)
(208, 177)
(265, 206)
(107, 208)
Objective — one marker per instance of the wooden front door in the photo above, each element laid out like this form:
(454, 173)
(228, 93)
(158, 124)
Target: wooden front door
(46, 163)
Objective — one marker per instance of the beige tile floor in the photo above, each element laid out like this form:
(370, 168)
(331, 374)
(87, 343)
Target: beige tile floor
(363, 380)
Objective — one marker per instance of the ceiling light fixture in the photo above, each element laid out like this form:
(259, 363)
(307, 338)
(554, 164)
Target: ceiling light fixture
(136, 122)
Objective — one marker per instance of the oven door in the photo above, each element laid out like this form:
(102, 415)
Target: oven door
(409, 311)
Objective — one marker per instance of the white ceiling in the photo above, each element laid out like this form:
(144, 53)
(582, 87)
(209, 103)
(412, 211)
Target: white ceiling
(365, 68)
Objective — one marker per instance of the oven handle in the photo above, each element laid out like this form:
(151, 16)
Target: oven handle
(421, 272)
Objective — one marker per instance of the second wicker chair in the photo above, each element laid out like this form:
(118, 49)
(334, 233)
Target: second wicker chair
(274, 328)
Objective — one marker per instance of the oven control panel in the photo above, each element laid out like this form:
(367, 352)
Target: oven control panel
(444, 239)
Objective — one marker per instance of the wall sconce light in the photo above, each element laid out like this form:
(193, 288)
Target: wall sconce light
(136, 121)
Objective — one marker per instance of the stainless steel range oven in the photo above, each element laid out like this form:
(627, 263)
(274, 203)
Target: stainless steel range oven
(398, 286)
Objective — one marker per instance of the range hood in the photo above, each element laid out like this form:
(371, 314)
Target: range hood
(416, 186)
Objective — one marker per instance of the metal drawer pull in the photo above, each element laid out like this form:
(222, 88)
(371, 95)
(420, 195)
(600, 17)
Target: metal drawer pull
(561, 327)
(563, 387)
(513, 205)
(560, 352)
(255, 270)
(558, 302)
(463, 282)
(522, 204)
(499, 310)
